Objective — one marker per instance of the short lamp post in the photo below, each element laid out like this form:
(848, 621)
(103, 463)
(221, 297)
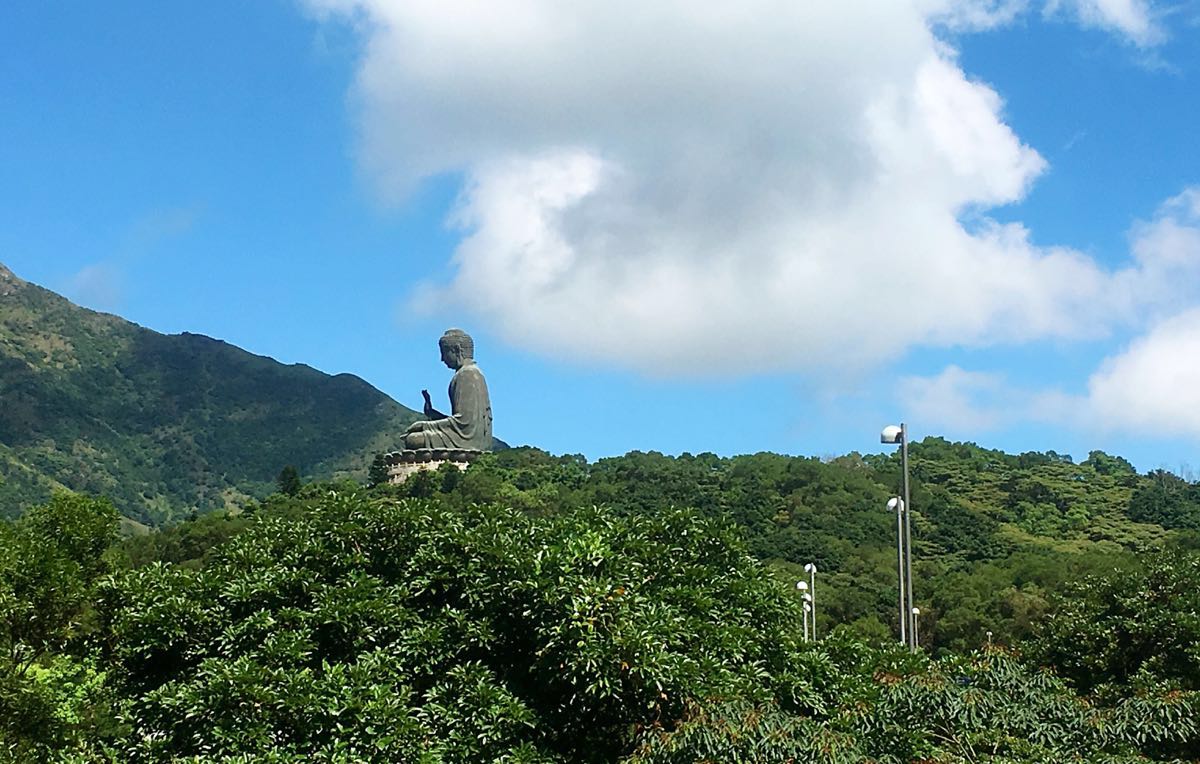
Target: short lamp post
(916, 616)
(807, 607)
(812, 597)
(899, 436)
(807, 617)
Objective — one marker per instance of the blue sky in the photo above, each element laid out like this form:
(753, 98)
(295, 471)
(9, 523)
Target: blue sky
(668, 228)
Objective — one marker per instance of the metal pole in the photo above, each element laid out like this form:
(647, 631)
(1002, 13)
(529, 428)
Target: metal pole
(812, 591)
(916, 613)
(805, 600)
(900, 569)
(907, 526)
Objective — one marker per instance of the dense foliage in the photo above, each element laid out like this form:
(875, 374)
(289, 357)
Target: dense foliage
(164, 424)
(342, 625)
(49, 564)
(996, 536)
(405, 617)
(1139, 628)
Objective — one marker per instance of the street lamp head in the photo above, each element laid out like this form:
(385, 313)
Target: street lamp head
(802, 585)
(810, 568)
(891, 434)
(916, 611)
(895, 503)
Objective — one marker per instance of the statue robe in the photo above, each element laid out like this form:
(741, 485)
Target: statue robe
(469, 426)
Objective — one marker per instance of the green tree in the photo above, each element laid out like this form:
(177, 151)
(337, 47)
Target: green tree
(378, 473)
(988, 706)
(1136, 627)
(1167, 500)
(288, 481)
(1105, 464)
(467, 635)
(49, 563)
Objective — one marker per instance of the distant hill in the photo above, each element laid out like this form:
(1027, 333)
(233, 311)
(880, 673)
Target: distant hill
(164, 424)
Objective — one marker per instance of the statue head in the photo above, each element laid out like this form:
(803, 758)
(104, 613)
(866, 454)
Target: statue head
(457, 348)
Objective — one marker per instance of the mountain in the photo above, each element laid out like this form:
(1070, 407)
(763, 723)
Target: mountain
(165, 424)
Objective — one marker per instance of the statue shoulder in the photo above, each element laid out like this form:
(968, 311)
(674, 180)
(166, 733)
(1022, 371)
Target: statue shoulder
(470, 370)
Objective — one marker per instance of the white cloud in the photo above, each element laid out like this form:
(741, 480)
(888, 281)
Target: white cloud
(973, 15)
(1164, 278)
(956, 400)
(690, 188)
(1134, 20)
(962, 403)
(160, 226)
(1154, 385)
(1151, 387)
(99, 287)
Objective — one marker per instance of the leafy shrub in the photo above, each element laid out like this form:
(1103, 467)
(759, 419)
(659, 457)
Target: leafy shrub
(395, 629)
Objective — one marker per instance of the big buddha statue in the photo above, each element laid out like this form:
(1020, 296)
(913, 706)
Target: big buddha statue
(468, 426)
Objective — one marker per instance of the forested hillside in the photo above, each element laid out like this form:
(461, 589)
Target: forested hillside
(995, 535)
(164, 425)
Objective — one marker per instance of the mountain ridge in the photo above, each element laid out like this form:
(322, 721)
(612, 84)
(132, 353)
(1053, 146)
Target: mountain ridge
(165, 424)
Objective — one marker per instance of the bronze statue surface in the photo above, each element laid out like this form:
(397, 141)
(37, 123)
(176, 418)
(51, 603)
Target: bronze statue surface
(468, 427)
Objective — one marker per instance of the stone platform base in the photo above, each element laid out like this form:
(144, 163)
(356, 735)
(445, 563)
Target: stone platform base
(403, 464)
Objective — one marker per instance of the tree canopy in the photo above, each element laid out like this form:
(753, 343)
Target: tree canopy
(543, 609)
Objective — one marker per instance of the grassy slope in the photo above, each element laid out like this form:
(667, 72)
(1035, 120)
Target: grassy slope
(163, 424)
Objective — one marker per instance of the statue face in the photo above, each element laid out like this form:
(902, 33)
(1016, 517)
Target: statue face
(450, 356)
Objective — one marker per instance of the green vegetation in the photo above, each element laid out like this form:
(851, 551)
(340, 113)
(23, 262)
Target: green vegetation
(351, 625)
(288, 481)
(165, 425)
(51, 694)
(995, 535)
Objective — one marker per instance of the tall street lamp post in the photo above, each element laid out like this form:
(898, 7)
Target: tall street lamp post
(899, 435)
(812, 594)
(897, 504)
